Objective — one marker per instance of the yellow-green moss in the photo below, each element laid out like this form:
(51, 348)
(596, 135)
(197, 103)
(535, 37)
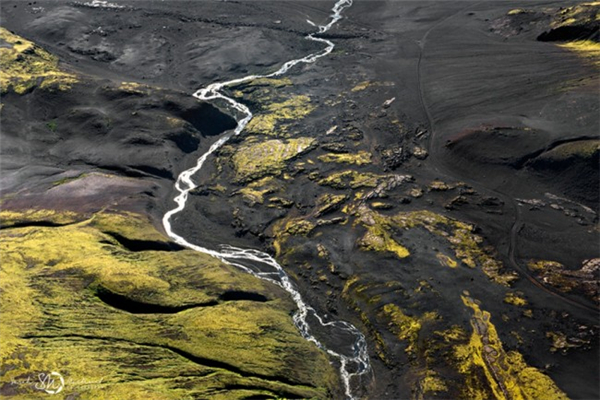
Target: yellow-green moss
(322, 251)
(554, 274)
(268, 121)
(53, 319)
(544, 265)
(378, 236)
(516, 11)
(439, 186)
(467, 246)
(299, 227)
(446, 260)
(133, 87)
(329, 202)
(292, 226)
(25, 65)
(360, 158)
(416, 192)
(406, 328)
(378, 240)
(432, 383)
(582, 14)
(453, 334)
(559, 341)
(350, 179)
(587, 49)
(9, 218)
(493, 372)
(296, 227)
(255, 191)
(562, 343)
(582, 149)
(351, 292)
(262, 91)
(579, 14)
(255, 159)
(379, 205)
(280, 202)
(219, 188)
(362, 86)
(515, 299)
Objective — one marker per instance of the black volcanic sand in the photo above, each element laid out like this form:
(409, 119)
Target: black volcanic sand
(455, 92)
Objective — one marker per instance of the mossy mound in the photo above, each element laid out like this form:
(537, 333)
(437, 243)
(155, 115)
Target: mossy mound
(360, 158)
(378, 236)
(447, 361)
(80, 300)
(350, 179)
(10, 218)
(467, 246)
(573, 151)
(405, 327)
(493, 372)
(255, 192)
(516, 299)
(25, 65)
(254, 160)
(138, 88)
(260, 89)
(269, 121)
(575, 23)
(329, 202)
(276, 109)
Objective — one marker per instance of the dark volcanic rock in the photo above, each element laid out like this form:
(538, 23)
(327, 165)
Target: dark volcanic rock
(470, 269)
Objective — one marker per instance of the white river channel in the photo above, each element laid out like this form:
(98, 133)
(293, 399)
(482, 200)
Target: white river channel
(265, 267)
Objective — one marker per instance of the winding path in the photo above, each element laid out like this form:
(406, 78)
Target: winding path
(351, 365)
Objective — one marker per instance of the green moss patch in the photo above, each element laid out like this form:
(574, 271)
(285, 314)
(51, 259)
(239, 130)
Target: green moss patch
(329, 202)
(255, 192)
(467, 246)
(360, 158)
(10, 218)
(350, 179)
(492, 372)
(255, 160)
(586, 49)
(25, 65)
(182, 341)
(269, 120)
(406, 328)
(569, 152)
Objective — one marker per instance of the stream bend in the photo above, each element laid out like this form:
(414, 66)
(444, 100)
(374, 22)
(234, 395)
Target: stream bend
(264, 266)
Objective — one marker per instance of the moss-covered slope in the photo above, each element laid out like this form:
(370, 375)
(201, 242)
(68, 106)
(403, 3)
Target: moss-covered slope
(25, 64)
(98, 302)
